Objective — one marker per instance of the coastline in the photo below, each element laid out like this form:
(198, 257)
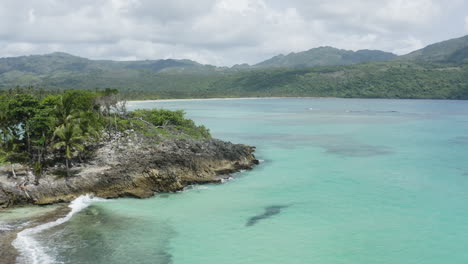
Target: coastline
(230, 98)
(134, 171)
(282, 97)
(205, 99)
(131, 167)
(135, 162)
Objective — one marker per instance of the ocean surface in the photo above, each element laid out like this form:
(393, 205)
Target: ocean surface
(342, 181)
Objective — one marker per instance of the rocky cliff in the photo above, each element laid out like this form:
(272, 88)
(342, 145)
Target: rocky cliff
(129, 166)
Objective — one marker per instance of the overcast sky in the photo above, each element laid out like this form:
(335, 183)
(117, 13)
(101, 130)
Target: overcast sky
(223, 32)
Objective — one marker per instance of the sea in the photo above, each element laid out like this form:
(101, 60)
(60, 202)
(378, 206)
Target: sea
(341, 181)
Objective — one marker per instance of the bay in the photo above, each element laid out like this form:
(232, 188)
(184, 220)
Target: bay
(342, 181)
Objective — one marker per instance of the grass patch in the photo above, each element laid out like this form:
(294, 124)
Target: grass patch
(162, 124)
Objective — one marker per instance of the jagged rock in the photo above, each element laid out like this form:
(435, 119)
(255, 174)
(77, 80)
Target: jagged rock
(132, 168)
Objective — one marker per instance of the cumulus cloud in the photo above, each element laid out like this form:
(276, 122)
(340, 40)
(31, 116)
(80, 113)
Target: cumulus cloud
(222, 32)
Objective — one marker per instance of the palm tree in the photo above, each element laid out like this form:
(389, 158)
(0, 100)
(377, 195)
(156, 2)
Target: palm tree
(89, 124)
(69, 137)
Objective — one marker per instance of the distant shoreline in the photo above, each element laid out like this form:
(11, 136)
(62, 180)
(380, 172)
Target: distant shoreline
(281, 97)
(216, 98)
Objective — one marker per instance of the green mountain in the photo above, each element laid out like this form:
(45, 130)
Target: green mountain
(449, 51)
(62, 62)
(437, 71)
(325, 56)
(396, 79)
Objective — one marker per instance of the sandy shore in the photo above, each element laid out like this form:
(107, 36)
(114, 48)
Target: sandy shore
(276, 97)
(230, 98)
(206, 99)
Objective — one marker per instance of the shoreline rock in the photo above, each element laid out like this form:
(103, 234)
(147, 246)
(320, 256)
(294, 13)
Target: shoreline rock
(131, 166)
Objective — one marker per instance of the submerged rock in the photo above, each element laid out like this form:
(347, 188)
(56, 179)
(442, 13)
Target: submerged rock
(269, 212)
(131, 167)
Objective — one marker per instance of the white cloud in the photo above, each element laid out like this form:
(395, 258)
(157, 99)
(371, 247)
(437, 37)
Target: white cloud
(222, 32)
(31, 16)
(466, 24)
(408, 45)
(18, 47)
(410, 13)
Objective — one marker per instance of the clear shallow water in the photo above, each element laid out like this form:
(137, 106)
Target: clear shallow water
(344, 181)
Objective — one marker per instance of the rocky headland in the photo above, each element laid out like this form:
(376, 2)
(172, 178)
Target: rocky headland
(129, 166)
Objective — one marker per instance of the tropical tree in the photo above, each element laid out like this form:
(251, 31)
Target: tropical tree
(19, 110)
(69, 137)
(42, 125)
(32, 126)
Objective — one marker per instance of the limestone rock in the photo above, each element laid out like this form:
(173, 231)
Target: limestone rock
(131, 166)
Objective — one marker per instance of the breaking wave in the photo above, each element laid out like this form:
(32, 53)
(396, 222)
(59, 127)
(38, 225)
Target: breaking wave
(31, 251)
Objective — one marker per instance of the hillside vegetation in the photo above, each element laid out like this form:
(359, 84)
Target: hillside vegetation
(325, 56)
(370, 80)
(42, 131)
(437, 71)
(449, 51)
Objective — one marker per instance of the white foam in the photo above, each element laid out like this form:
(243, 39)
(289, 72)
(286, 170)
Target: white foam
(194, 187)
(31, 251)
(5, 227)
(224, 180)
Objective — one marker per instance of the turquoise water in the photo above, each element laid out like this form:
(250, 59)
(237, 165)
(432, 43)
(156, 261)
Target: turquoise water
(343, 181)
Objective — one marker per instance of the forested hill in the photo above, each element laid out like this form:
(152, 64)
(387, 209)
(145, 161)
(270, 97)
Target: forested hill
(437, 71)
(58, 63)
(449, 51)
(325, 56)
(368, 80)
(33, 67)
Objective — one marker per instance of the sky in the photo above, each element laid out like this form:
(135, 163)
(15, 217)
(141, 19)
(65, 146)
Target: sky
(223, 32)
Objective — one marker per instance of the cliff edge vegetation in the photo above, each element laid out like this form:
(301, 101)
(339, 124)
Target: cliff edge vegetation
(57, 147)
(66, 128)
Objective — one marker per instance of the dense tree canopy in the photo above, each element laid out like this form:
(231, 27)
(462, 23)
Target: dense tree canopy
(41, 131)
